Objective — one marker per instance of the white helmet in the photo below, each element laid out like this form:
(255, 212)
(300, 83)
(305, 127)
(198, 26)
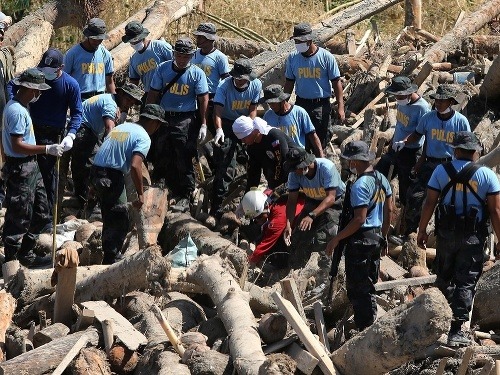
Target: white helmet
(253, 203)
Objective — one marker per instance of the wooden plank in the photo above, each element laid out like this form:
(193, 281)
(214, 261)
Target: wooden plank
(422, 280)
(497, 367)
(441, 366)
(65, 295)
(123, 329)
(306, 362)
(310, 342)
(350, 41)
(320, 324)
(464, 365)
(290, 292)
(81, 343)
(84, 320)
(423, 74)
(390, 270)
(486, 370)
(107, 333)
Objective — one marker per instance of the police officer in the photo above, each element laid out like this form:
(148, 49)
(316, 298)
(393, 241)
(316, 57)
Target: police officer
(147, 56)
(370, 199)
(466, 195)
(100, 114)
(314, 71)
(123, 151)
(439, 127)
(267, 148)
(293, 120)
(90, 63)
(27, 212)
(403, 155)
(181, 89)
(319, 181)
(236, 96)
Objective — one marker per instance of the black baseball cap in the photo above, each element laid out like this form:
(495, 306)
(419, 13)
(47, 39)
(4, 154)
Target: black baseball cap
(401, 85)
(52, 58)
(297, 158)
(134, 32)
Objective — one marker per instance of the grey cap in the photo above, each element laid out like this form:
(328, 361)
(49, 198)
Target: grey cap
(185, 46)
(358, 150)
(445, 91)
(132, 90)
(154, 112)
(467, 141)
(242, 69)
(297, 158)
(302, 32)
(31, 78)
(206, 29)
(401, 85)
(134, 32)
(95, 29)
(274, 94)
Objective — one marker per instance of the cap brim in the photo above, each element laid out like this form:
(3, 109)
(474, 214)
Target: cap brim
(31, 85)
(98, 36)
(279, 99)
(468, 147)
(371, 156)
(248, 77)
(137, 98)
(408, 91)
(206, 35)
(302, 38)
(137, 38)
(153, 117)
(290, 166)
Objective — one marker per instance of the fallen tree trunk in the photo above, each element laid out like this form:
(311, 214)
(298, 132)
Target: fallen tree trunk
(492, 158)
(233, 309)
(236, 47)
(7, 307)
(396, 338)
(488, 45)
(490, 88)
(485, 311)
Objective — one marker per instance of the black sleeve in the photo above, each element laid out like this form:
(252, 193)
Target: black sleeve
(254, 169)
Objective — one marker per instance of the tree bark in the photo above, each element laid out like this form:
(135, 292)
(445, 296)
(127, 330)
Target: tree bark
(490, 88)
(482, 45)
(234, 311)
(398, 337)
(7, 307)
(236, 47)
(485, 312)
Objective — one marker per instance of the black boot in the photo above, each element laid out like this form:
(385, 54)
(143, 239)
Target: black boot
(457, 337)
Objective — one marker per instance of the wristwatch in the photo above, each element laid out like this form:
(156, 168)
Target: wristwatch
(312, 215)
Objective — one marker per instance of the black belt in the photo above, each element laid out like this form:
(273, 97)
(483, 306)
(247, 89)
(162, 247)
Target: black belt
(12, 159)
(86, 95)
(437, 160)
(178, 114)
(316, 100)
(48, 129)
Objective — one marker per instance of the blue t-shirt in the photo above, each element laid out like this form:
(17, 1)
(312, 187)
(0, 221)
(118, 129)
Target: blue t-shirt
(326, 178)
(439, 134)
(89, 68)
(17, 122)
(484, 182)
(296, 123)
(363, 194)
(234, 101)
(312, 74)
(143, 64)
(95, 109)
(121, 144)
(215, 65)
(407, 119)
(181, 97)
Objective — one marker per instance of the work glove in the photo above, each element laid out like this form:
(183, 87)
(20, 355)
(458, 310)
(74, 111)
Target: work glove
(398, 146)
(203, 133)
(219, 136)
(67, 142)
(54, 150)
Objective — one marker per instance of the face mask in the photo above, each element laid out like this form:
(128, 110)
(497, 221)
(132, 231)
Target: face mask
(301, 47)
(49, 73)
(305, 171)
(138, 46)
(244, 86)
(36, 98)
(178, 67)
(447, 110)
(403, 101)
(352, 169)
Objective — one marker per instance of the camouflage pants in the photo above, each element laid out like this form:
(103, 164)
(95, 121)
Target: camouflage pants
(110, 189)
(27, 212)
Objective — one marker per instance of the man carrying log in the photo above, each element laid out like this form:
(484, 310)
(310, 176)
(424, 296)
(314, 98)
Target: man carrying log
(181, 89)
(439, 127)
(123, 151)
(147, 56)
(27, 212)
(403, 155)
(314, 71)
(466, 195)
(236, 96)
(371, 201)
(90, 63)
(293, 120)
(320, 182)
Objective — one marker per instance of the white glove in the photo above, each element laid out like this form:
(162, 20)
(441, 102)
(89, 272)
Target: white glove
(67, 142)
(203, 133)
(54, 150)
(397, 146)
(219, 135)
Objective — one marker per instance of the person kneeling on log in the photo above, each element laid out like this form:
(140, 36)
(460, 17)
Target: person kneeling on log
(320, 181)
(268, 210)
(123, 151)
(365, 233)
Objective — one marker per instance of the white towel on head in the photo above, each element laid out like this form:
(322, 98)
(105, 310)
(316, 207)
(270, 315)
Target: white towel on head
(243, 126)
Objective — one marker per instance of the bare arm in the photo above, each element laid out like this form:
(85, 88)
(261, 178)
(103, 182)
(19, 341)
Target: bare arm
(414, 137)
(430, 203)
(218, 115)
(291, 205)
(252, 111)
(21, 147)
(153, 97)
(289, 86)
(110, 84)
(109, 124)
(203, 105)
(316, 143)
(339, 95)
(388, 210)
(136, 174)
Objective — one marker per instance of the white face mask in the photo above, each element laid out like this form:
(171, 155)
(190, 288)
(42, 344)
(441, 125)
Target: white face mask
(305, 171)
(244, 86)
(49, 73)
(139, 46)
(403, 101)
(447, 110)
(36, 98)
(175, 63)
(301, 47)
